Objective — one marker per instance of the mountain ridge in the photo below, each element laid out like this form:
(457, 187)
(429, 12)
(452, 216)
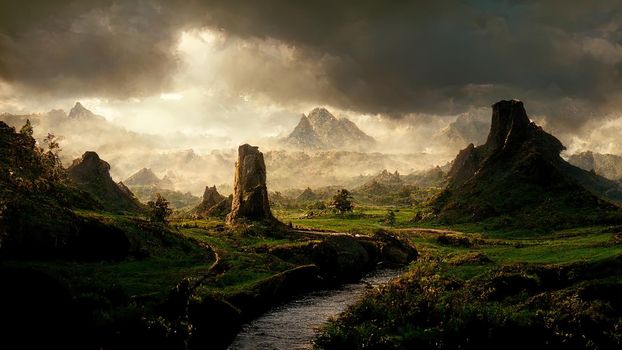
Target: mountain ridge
(321, 130)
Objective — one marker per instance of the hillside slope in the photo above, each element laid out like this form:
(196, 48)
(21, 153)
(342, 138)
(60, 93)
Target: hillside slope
(519, 177)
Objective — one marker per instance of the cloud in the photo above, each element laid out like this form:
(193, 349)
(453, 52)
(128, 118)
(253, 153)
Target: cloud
(391, 58)
(96, 48)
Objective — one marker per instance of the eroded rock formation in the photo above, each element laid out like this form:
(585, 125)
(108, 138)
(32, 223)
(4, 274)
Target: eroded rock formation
(213, 204)
(250, 194)
(519, 175)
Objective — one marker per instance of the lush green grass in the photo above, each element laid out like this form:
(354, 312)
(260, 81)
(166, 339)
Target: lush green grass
(455, 292)
(161, 258)
(244, 262)
(361, 220)
(158, 261)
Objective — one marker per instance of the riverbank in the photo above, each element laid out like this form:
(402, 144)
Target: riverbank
(293, 325)
(191, 285)
(317, 261)
(475, 290)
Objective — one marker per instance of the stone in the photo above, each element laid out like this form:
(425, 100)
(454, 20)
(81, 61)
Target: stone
(250, 194)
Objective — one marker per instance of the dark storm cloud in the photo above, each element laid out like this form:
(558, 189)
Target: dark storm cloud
(393, 57)
(442, 56)
(93, 48)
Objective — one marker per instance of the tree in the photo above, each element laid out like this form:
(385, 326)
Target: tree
(27, 129)
(159, 210)
(389, 218)
(53, 166)
(342, 201)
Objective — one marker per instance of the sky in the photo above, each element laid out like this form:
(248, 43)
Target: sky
(235, 71)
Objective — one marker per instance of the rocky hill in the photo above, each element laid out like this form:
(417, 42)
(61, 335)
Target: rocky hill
(36, 206)
(386, 188)
(322, 130)
(307, 195)
(518, 176)
(92, 175)
(213, 204)
(433, 177)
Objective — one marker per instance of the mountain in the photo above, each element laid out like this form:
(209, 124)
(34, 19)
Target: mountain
(146, 177)
(322, 130)
(79, 112)
(606, 165)
(468, 128)
(146, 185)
(92, 175)
(307, 195)
(304, 137)
(517, 176)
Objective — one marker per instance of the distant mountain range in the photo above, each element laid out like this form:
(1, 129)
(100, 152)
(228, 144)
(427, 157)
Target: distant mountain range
(146, 177)
(468, 128)
(606, 165)
(145, 184)
(321, 130)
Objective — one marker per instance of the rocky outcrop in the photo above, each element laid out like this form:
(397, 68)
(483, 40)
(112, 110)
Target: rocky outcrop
(211, 197)
(92, 175)
(250, 196)
(213, 204)
(344, 257)
(518, 172)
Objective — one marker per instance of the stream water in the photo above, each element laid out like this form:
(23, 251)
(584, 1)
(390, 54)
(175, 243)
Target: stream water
(294, 324)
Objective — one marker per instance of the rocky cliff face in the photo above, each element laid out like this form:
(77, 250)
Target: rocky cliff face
(519, 172)
(321, 130)
(250, 196)
(92, 175)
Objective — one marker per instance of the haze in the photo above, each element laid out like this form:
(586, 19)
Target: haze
(197, 78)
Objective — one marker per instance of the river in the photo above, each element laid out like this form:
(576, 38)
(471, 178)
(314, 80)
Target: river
(294, 324)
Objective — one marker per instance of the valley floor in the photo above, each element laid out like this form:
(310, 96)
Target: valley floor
(469, 286)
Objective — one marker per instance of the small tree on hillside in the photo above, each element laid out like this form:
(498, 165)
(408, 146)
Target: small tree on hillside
(159, 210)
(342, 201)
(389, 218)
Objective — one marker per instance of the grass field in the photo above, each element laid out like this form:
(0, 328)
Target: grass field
(450, 258)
